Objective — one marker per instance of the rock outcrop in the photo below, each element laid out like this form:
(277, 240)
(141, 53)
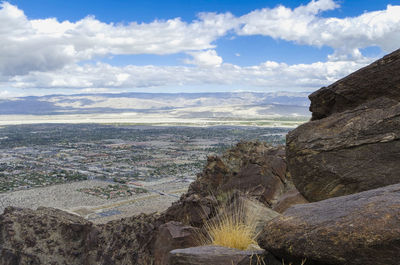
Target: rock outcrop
(45, 236)
(128, 241)
(191, 209)
(254, 168)
(347, 152)
(51, 236)
(358, 229)
(347, 161)
(352, 143)
(380, 79)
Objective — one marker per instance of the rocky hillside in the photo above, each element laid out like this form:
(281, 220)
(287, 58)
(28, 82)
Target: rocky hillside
(345, 162)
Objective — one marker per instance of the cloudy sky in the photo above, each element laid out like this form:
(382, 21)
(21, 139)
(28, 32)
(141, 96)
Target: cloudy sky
(52, 46)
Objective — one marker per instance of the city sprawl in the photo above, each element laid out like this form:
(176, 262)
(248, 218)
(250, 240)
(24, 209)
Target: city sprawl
(41, 155)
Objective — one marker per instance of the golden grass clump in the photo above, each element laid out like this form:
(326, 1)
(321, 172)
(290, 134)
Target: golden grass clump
(232, 227)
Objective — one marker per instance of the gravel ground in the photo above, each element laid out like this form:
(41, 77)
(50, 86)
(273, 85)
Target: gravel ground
(67, 197)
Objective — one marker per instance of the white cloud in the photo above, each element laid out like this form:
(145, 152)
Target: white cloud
(268, 76)
(4, 94)
(346, 36)
(47, 44)
(205, 58)
(47, 53)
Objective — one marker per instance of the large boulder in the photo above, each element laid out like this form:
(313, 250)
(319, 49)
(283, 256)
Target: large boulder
(347, 152)
(380, 79)
(207, 255)
(358, 229)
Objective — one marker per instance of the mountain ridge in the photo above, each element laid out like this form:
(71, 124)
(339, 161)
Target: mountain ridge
(220, 104)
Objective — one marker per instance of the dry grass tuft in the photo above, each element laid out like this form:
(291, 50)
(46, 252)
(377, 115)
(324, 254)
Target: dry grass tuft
(232, 227)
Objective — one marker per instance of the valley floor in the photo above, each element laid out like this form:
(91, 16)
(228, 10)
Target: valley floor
(159, 196)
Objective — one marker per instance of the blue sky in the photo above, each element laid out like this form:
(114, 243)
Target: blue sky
(52, 46)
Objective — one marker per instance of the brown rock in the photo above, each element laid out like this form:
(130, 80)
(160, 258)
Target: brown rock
(258, 212)
(191, 209)
(127, 241)
(252, 167)
(358, 229)
(347, 152)
(207, 255)
(170, 236)
(45, 236)
(288, 199)
(379, 79)
(51, 236)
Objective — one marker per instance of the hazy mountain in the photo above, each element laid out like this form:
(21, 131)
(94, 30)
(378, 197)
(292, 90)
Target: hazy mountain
(185, 105)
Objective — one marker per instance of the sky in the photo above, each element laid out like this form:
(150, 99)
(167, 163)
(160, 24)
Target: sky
(69, 47)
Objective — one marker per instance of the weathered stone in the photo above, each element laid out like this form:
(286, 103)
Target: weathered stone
(170, 236)
(346, 152)
(45, 236)
(191, 209)
(207, 255)
(252, 167)
(380, 79)
(127, 241)
(288, 199)
(358, 229)
(258, 212)
(51, 236)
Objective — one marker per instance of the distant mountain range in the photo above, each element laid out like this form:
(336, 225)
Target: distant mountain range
(180, 105)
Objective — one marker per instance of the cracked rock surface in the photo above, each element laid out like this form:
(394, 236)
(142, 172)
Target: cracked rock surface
(352, 143)
(347, 152)
(357, 229)
(379, 79)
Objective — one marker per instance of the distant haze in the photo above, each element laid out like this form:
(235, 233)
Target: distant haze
(147, 107)
(220, 104)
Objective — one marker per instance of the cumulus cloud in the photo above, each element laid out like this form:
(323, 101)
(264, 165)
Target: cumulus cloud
(47, 53)
(205, 58)
(346, 36)
(47, 44)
